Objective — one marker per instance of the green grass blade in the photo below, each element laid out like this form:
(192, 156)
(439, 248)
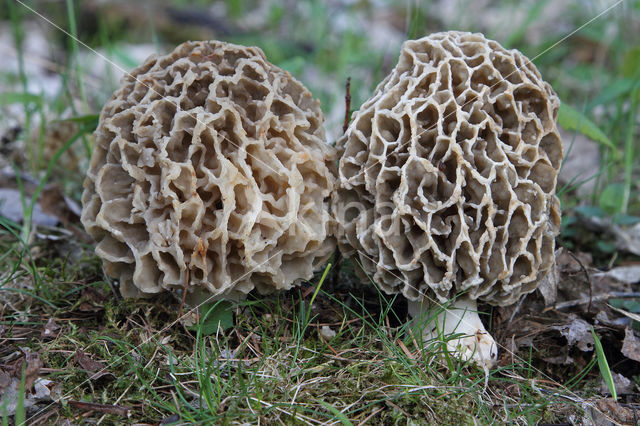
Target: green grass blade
(73, 43)
(28, 211)
(604, 365)
(533, 14)
(89, 121)
(339, 415)
(19, 98)
(620, 87)
(572, 119)
(315, 293)
(629, 151)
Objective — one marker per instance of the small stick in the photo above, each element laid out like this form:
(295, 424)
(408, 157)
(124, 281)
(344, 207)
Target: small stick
(184, 292)
(308, 291)
(102, 408)
(369, 417)
(405, 349)
(586, 273)
(347, 102)
(596, 298)
(327, 343)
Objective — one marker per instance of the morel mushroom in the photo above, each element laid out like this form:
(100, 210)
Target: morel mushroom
(446, 185)
(210, 168)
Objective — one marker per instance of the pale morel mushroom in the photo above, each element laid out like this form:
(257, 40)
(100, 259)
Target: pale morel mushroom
(210, 171)
(446, 183)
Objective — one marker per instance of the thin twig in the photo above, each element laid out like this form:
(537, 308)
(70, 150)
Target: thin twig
(405, 349)
(347, 104)
(515, 311)
(102, 408)
(586, 273)
(370, 416)
(598, 298)
(112, 286)
(184, 292)
(326, 342)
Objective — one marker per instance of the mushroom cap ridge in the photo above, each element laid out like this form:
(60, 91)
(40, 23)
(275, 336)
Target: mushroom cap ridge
(447, 175)
(209, 163)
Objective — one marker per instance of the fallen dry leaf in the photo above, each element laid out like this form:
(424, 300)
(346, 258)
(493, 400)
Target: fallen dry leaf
(626, 238)
(50, 329)
(623, 385)
(578, 333)
(631, 345)
(174, 418)
(616, 411)
(54, 203)
(89, 307)
(34, 364)
(5, 380)
(86, 362)
(635, 317)
(91, 366)
(581, 162)
(573, 275)
(9, 397)
(548, 286)
(189, 319)
(43, 391)
(603, 318)
(627, 274)
(93, 295)
(11, 208)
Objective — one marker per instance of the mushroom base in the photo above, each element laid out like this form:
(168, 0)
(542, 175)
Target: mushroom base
(459, 319)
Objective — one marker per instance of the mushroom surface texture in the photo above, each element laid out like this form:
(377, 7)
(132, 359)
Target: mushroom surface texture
(446, 183)
(210, 168)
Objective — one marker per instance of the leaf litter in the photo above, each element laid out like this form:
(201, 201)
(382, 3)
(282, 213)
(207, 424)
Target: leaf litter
(555, 322)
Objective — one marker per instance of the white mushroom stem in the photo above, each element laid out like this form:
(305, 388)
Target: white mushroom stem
(457, 318)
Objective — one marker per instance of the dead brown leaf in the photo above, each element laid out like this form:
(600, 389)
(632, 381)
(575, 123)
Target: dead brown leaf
(626, 274)
(580, 163)
(53, 202)
(11, 208)
(578, 333)
(91, 366)
(34, 364)
(573, 275)
(93, 295)
(616, 411)
(5, 380)
(93, 300)
(50, 329)
(626, 238)
(548, 287)
(623, 385)
(631, 345)
(89, 307)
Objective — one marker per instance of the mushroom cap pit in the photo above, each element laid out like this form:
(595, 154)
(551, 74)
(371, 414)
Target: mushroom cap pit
(447, 177)
(210, 166)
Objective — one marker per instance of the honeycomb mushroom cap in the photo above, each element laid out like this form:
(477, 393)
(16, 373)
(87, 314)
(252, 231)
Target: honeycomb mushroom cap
(448, 174)
(210, 164)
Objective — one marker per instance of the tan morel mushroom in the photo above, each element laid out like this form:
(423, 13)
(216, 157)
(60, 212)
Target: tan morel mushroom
(447, 182)
(210, 165)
